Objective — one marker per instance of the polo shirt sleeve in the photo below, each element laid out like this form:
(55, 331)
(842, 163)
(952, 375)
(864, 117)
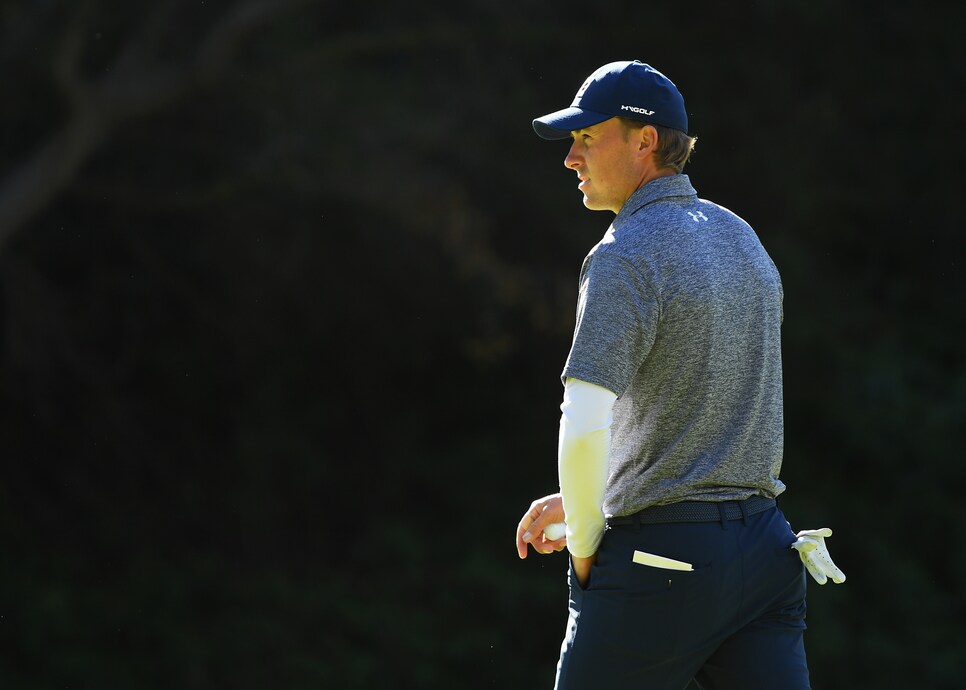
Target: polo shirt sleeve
(617, 315)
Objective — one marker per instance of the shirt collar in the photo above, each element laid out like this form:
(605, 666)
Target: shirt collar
(656, 189)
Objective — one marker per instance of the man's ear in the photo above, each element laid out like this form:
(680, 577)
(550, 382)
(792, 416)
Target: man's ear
(648, 140)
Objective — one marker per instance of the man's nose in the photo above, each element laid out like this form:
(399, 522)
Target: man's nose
(572, 160)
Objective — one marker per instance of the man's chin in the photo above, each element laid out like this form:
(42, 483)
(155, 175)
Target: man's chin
(594, 205)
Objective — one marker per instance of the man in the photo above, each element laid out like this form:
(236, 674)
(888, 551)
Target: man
(671, 434)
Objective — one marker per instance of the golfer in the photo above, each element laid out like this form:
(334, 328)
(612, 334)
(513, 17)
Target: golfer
(670, 442)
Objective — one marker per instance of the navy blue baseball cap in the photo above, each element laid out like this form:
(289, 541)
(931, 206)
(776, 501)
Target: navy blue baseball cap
(628, 89)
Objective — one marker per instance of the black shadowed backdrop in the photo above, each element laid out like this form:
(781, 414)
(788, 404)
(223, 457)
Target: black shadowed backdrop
(286, 288)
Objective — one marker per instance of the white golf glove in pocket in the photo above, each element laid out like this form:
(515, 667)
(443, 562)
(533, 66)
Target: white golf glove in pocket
(814, 554)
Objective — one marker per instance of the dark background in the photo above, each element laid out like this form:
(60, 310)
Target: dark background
(286, 290)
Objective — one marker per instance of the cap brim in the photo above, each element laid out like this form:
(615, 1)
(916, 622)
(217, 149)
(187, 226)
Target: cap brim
(560, 124)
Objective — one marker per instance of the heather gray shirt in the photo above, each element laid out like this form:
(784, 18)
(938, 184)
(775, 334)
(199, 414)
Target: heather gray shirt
(679, 314)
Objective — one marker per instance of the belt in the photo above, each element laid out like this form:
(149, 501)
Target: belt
(696, 511)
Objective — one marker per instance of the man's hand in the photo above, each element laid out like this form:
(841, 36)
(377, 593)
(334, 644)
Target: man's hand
(543, 512)
(814, 554)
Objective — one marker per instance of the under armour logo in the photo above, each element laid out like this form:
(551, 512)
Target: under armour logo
(697, 217)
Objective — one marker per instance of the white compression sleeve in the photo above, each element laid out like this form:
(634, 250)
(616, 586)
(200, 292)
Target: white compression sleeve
(582, 462)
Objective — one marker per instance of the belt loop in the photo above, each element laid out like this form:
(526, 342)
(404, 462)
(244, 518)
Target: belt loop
(744, 512)
(722, 513)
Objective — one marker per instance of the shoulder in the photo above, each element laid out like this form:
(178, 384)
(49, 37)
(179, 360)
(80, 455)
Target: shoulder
(720, 212)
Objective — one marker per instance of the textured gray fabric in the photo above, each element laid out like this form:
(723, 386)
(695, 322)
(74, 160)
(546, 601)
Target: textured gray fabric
(679, 315)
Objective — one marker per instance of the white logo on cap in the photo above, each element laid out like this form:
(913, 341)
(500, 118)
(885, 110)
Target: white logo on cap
(637, 110)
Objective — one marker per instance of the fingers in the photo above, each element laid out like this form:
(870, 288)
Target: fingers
(521, 543)
(813, 568)
(534, 533)
(543, 546)
(556, 544)
(820, 566)
(828, 567)
(524, 528)
(816, 572)
(838, 577)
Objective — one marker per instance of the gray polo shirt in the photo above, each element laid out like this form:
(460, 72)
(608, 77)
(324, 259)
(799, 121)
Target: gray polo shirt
(679, 314)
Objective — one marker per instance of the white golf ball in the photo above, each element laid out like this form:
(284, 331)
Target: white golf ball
(554, 531)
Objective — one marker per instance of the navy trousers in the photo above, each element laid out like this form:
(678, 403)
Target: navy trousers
(735, 622)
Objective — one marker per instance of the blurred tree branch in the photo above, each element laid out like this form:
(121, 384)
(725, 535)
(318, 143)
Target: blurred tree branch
(140, 81)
